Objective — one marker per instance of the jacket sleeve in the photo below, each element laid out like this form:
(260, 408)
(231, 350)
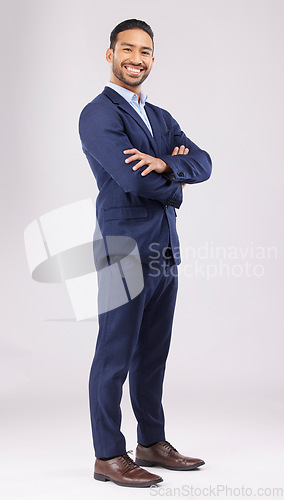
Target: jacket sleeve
(194, 167)
(103, 137)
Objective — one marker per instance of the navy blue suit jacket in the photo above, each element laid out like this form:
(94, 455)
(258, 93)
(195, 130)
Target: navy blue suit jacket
(129, 204)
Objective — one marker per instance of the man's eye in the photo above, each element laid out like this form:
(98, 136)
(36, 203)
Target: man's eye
(146, 53)
(126, 49)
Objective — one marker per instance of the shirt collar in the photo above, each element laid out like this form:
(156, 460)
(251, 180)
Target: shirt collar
(128, 94)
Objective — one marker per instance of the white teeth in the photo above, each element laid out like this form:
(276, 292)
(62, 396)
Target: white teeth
(136, 71)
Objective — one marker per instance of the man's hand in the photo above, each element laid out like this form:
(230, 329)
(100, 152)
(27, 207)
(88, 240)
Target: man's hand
(153, 163)
(182, 150)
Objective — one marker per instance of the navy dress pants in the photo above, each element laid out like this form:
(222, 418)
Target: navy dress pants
(133, 339)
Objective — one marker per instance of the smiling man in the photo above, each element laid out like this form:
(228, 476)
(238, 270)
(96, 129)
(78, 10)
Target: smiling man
(141, 160)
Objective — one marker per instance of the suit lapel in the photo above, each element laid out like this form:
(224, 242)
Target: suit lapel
(127, 108)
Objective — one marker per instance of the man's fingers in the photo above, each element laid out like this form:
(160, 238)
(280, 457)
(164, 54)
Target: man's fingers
(183, 150)
(137, 156)
(129, 151)
(146, 171)
(139, 164)
(180, 150)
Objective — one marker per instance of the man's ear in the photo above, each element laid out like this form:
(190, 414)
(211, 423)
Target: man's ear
(109, 55)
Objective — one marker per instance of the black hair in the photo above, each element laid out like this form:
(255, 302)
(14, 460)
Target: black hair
(130, 24)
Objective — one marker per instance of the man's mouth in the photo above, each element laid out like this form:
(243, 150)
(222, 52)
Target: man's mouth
(133, 70)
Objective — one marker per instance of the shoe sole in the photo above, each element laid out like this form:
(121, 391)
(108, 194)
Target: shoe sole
(102, 477)
(151, 464)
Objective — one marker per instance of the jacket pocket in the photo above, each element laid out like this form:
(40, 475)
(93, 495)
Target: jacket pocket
(125, 213)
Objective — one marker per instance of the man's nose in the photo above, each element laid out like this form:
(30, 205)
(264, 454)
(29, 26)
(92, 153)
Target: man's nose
(136, 58)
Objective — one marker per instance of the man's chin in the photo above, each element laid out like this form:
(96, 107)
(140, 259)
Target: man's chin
(132, 82)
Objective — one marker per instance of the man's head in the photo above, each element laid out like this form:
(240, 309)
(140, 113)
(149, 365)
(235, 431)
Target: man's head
(130, 24)
(131, 53)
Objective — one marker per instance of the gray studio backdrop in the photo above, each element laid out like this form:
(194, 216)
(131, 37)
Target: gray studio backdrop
(219, 71)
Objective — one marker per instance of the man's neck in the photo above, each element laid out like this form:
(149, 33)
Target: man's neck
(136, 90)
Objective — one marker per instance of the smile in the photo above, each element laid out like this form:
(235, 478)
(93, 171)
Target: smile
(133, 70)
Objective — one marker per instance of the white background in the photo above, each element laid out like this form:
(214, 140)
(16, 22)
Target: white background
(219, 71)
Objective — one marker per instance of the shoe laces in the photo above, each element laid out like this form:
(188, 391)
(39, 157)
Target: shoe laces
(169, 446)
(128, 462)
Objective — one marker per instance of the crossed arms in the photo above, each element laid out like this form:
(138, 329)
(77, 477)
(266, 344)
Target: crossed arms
(104, 138)
(154, 164)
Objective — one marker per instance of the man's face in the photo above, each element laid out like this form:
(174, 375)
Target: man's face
(132, 59)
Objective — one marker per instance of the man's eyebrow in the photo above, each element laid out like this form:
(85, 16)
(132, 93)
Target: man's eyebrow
(131, 45)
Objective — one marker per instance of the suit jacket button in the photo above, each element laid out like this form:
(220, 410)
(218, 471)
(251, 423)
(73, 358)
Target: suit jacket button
(180, 174)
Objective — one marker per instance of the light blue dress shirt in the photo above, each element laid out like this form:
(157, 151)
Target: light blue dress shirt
(132, 98)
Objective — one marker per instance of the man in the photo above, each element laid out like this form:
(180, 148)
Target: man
(141, 161)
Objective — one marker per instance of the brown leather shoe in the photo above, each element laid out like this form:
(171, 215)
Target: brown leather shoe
(165, 455)
(124, 471)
